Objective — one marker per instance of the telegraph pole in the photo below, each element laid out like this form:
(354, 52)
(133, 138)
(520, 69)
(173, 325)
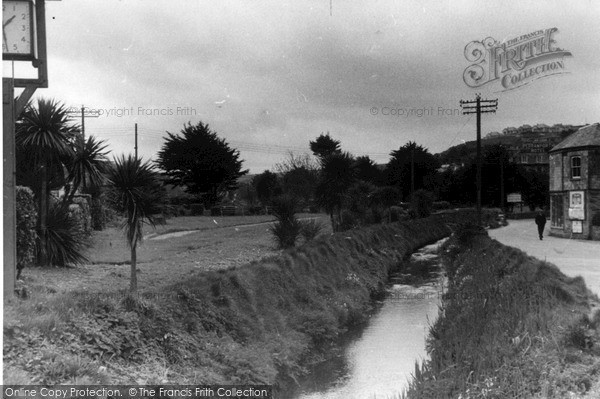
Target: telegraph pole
(502, 183)
(135, 145)
(84, 113)
(478, 107)
(412, 171)
(83, 123)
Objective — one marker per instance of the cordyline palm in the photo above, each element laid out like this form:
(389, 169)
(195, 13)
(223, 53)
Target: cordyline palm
(87, 167)
(137, 193)
(45, 133)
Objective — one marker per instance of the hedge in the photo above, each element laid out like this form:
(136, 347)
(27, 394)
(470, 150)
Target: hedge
(27, 216)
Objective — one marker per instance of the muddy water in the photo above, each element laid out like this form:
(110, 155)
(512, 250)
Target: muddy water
(378, 360)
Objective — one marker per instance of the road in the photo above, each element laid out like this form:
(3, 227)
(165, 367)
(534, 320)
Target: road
(573, 257)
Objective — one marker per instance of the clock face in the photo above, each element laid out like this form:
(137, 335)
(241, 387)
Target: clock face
(17, 30)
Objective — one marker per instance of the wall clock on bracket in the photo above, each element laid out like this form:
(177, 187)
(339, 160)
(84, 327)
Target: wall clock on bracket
(17, 30)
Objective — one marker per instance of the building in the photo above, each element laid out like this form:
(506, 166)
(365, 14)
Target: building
(529, 145)
(575, 183)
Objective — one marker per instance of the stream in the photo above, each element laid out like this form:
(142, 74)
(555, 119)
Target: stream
(378, 360)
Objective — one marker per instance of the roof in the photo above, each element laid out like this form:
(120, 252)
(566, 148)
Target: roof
(588, 136)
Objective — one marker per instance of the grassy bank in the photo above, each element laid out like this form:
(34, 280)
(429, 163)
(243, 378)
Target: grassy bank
(511, 326)
(257, 323)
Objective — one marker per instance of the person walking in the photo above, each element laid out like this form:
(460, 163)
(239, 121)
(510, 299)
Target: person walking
(540, 220)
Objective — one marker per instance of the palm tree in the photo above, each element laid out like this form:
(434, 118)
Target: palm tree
(44, 133)
(137, 193)
(87, 167)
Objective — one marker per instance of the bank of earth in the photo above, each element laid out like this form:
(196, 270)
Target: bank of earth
(261, 323)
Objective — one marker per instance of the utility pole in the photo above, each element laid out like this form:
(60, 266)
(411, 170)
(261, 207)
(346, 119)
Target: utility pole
(83, 123)
(502, 183)
(84, 113)
(412, 171)
(135, 145)
(478, 107)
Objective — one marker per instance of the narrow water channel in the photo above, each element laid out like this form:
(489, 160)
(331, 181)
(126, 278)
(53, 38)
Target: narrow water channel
(378, 361)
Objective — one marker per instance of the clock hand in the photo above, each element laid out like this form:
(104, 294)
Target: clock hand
(8, 21)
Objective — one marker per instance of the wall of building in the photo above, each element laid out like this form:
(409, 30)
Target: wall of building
(561, 182)
(582, 182)
(594, 169)
(556, 168)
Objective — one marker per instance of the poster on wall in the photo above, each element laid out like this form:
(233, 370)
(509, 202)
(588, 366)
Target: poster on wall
(577, 226)
(576, 205)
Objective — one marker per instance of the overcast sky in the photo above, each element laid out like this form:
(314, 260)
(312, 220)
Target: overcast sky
(271, 75)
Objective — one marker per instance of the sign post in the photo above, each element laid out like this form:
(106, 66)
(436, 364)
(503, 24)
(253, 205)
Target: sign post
(8, 174)
(23, 42)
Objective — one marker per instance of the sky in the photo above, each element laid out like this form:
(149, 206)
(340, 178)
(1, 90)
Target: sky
(269, 76)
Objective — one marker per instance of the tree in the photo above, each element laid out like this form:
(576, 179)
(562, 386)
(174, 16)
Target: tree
(43, 138)
(386, 197)
(200, 161)
(336, 177)
(267, 187)
(138, 194)
(536, 189)
(410, 168)
(324, 146)
(366, 169)
(299, 176)
(87, 167)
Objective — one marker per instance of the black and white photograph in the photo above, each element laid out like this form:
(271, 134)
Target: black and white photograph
(321, 199)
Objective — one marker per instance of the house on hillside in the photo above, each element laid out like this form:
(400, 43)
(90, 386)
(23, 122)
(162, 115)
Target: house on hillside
(575, 184)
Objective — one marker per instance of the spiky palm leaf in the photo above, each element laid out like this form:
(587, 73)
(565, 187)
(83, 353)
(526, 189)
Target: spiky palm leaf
(45, 131)
(137, 193)
(88, 165)
(64, 242)
(45, 134)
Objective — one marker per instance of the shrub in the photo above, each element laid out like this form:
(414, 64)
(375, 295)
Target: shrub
(440, 205)
(197, 209)
(183, 211)
(65, 242)
(101, 213)
(421, 203)
(287, 228)
(310, 228)
(169, 211)
(286, 234)
(255, 210)
(466, 233)
(26, 222)
(395, 214)
(348, 220)
(80, 211)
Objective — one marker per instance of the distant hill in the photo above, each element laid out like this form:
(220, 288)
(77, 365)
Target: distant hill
(524, 140)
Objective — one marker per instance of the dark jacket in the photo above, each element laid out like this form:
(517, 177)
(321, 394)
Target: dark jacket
(540, 220)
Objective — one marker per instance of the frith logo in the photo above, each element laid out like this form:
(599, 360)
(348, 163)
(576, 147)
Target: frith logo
(515, 62)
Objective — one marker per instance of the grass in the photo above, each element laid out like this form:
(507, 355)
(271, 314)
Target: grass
(511, 326)
(232, 241)
(257, 323)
